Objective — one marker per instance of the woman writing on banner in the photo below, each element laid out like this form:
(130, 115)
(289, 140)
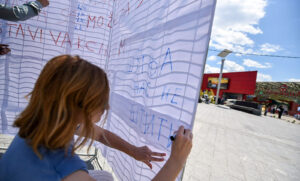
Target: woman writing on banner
(69, 97)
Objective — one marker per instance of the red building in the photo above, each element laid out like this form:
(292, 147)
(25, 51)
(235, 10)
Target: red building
(234, 85)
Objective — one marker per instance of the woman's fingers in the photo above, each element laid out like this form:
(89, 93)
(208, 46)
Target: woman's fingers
(157, 159)
(180, 131)
(148, 163)
(187, 132)
(191, 135)
(158, 154)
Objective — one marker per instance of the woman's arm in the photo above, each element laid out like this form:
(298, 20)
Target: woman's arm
(181, 148)
(79, 176)
(112, 140)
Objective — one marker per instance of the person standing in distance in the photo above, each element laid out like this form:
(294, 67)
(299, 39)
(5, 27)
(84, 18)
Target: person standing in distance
(20, 13)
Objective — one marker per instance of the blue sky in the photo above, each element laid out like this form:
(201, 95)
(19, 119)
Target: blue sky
(269, 27)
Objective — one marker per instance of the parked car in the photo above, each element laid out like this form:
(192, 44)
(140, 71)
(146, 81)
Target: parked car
(229, 102)
(249, 107)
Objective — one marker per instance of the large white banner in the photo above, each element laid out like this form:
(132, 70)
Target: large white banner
(153, 52)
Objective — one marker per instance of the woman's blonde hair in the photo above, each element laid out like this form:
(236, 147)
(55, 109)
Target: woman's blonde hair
(66, 86)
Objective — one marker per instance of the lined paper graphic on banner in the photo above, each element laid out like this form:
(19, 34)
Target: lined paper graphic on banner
(65, 27)
(153, 52)
(157, 57)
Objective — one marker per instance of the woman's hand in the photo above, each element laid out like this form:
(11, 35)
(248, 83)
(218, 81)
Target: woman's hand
(182, 145)
(4, 49)
(44, 3)
(181, 148)
(145, 155)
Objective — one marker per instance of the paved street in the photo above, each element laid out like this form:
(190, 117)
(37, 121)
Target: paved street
(233, 145)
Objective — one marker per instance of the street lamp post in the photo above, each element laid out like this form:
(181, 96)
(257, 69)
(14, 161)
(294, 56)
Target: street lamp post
(223, 54)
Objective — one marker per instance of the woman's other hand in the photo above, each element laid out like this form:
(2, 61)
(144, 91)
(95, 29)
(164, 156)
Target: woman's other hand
(146, 155)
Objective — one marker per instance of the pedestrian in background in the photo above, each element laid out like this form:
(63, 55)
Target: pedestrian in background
(280, 112)
(20, 13)
(266, 110)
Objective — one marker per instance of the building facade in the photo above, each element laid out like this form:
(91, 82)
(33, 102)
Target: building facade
(243, 86)
(234, 85)
(279, 93)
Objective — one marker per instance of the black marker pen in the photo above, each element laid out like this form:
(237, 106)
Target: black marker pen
(172, 138)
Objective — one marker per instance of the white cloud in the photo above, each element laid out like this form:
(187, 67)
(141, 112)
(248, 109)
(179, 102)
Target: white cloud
(294, 80)
(212, 58)
(231, 66)
(234, 21)
(210, 69)
(252, 63)
(269, 48)
(263, 77)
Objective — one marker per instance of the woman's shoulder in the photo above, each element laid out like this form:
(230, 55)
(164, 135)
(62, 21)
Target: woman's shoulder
(66, 163)
(17, 146)
(20, 163)
(20, 156)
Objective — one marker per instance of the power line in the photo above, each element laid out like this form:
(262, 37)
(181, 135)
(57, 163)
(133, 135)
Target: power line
(265, 55)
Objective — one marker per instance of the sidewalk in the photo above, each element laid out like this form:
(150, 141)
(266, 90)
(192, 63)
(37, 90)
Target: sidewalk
(284, 118)
(233, 145)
